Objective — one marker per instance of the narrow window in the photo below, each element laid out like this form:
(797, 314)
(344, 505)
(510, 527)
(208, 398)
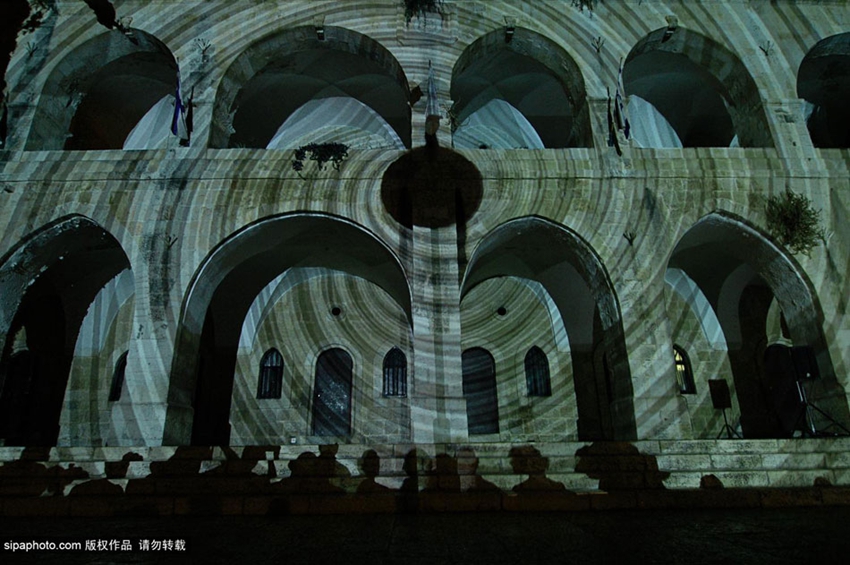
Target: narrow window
(118, 378)
(395, 373)
(271, 375)
(684, 374)
(537, 373)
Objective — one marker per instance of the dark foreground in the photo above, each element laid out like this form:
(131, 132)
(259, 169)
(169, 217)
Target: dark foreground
(784, 535)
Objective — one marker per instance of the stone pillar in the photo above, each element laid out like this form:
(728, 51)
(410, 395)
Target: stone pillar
(437, 406)
(660, 411)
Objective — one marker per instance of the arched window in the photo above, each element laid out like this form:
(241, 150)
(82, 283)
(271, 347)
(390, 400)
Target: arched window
(271, 375)
(537, 373)
(332, 394)
(684, 374)
(479, 389)
(395, 373)
(118, 378)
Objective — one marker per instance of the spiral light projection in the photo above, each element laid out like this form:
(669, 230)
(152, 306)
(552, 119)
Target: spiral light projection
(302, 313)
(229, 281)
(573, 275)
(531, 76)
(824, 82)
(695, 327)
(337, 120)
(740, 273)
(282, 73)
(87, 413)
(48, 284)
(507, 316)
(149, 200)
(701, 89)
(496, 125)
(100, 93)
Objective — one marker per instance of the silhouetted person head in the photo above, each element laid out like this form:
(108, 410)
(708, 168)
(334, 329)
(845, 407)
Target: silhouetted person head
(370, 463)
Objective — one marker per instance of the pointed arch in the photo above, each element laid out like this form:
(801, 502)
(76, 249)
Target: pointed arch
(479, 390)
(223, 290)
(395, 373)
(699, 87)
(741, 272)
(283, 71)
(97, 94)
(48, 282)
(270, 380)
(572, 273)
(532, 75)
(332, 394)
(823, 80)
(537, 373)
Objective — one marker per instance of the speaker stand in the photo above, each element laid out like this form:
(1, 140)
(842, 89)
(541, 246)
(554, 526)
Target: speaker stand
(806, 418)
(730, 432)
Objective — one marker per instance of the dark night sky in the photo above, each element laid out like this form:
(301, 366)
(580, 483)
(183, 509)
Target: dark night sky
(12, 15)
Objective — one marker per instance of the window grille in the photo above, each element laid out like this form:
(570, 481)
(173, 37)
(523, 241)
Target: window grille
(271, 375)
(395, 373)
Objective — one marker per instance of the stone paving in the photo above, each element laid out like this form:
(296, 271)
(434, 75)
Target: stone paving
(788, 535)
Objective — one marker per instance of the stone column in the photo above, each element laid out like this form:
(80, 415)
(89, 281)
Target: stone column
(438, 409)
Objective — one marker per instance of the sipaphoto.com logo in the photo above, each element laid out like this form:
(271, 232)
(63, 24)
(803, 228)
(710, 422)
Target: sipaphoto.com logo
(34, 545)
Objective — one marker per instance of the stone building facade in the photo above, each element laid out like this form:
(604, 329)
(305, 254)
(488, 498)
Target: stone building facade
(520, 274)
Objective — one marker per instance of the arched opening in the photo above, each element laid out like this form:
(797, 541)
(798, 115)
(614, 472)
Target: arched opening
(537, 380)
(108, 93)
(740, 272)
(48, 283)
(222, 293)
(684, 371)
(574, 278)
(118, 378)
(291, 88)
(395, 373)
(332, 394)
(686, 90)
(479, 390)
(824, 82)
(528, 93)
(301, 312)
(695, 328)
(270, 381)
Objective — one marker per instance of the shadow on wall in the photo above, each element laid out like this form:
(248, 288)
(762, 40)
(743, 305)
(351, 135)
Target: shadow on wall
(194, 480)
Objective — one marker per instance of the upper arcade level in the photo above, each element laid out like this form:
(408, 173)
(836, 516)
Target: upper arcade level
(653, 78)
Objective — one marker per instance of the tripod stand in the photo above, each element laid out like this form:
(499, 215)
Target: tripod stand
(721, 400)
(730, 432)
(806, 417)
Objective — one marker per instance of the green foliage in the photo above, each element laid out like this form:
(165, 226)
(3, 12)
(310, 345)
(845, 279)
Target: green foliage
(322, 153)
(417, 8)
(794, 222)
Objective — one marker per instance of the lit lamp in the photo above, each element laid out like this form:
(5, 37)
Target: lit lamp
(319, 24)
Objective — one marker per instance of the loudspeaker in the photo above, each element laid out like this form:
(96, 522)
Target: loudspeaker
(720, 397)
(805, 364)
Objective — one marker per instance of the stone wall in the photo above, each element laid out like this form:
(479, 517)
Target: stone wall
(171, 209)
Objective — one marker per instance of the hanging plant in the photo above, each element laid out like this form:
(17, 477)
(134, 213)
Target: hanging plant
(793, 220)
(322, 153)
(417, 8)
